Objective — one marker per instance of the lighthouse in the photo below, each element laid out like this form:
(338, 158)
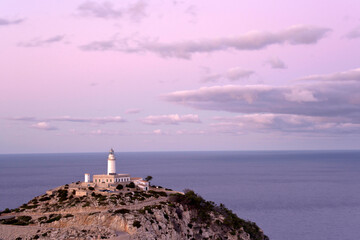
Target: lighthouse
(111, 169)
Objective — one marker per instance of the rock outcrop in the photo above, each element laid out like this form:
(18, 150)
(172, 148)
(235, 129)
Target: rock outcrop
(125, 214)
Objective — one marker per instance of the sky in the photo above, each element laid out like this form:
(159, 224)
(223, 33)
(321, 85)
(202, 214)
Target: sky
(85, 76)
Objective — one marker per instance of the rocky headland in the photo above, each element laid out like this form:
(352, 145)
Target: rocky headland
(76, 211)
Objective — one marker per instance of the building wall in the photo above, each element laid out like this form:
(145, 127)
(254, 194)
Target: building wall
(109, 179)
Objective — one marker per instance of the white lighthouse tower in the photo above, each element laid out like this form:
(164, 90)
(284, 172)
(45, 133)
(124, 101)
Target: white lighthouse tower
(111, 170)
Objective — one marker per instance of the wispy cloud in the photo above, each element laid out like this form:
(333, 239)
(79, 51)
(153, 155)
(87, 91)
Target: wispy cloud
(354, 33)
(5, 22)
(330, 104)
(132, 111)
(232, 74)
(106, 10)
(44, 126)
(289, 123)
(192, 11)
(101, 120)
(349, 75)
(38, 42)
(276, 63)
(321, 99)
(255, 40)
(171, 119)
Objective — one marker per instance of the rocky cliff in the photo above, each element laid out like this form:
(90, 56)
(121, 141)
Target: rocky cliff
(124, 214)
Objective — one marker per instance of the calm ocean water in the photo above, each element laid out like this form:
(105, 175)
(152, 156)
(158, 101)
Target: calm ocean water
(291, 195)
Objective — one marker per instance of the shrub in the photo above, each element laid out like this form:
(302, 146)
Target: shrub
(86, 204)
(148, 209)
(43, 199)
(24, 218)
(148, 178)
(53, 218)
(119, 187)
(130, 185)
(7, 210)
(91, 188)
(121, 211)
(93, 213)
(25, 206)
(137, 224)
(21, 220)
(42, 218)
(62, 194)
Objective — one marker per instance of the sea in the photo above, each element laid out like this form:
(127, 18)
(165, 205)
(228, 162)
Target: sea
(291, 195)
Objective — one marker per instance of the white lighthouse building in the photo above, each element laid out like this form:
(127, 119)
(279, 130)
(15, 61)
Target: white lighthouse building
(111, 169)
(112, 179)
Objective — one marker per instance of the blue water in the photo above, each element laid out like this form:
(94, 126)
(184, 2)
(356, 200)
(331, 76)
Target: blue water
(291, 195)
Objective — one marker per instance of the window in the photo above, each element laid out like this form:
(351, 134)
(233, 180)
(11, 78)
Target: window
(107, 180)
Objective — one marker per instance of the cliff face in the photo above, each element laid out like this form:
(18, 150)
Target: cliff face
(130, 214)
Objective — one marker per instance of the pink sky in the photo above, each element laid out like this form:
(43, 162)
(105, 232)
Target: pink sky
(160, 76)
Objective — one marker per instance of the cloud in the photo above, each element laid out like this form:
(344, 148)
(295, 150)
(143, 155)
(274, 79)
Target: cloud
(276, 63)
(158, 132)
(354, 33)
(255, 40)
(27, 119)
(232, 74)
(133, 111)
(171, 119)
(320, 99)
(331, 105)
(5, 22)
(102, 120)
(127, 45)
(191, 10)
(44, 126)
(161, 132)
(42, 42)
(288, 123)
(237, 73)
(349, 75)
(212, 77)
(107, 10)
(137, 11)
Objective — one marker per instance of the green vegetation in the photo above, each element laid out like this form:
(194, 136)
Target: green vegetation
(119, 187)
(21, 220)
(62, 194)
(43, 199)
(156, 194)
(53, 218)
(91, 188)
(7, 210)
(25, 206)
(121, 211)
(41, 219)
(130, 185)
(148, 178)
(204, 209)
(137, 224)
(93, 213)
